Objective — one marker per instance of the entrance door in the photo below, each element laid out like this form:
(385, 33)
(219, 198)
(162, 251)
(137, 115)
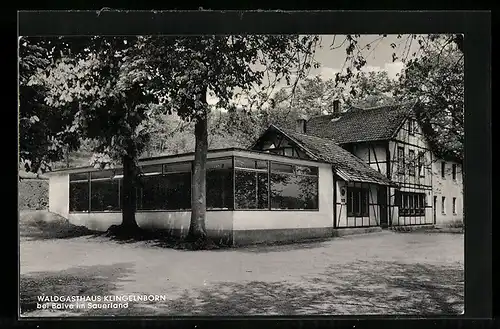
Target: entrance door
(434, 206)
(382, 203)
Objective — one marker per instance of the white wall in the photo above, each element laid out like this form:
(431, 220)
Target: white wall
(373, 154)
(280, 219)
(342, 220)
(59, 194)
(450, 189)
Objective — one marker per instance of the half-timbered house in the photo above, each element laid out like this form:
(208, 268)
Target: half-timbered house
(389, 138)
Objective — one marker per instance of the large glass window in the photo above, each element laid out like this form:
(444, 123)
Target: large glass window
(219, 188)
(177, 184)
(79, 192)
(251, 184)
(168, 191)
(293, 187)
(357, 202)
(150, 194)
(105, 195)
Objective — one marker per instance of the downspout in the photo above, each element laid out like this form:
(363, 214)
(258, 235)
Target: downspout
(334, 200)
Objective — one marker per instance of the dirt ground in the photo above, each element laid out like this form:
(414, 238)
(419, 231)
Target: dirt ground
(378, 273)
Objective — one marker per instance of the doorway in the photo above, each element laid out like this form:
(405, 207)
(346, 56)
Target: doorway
(382, 203)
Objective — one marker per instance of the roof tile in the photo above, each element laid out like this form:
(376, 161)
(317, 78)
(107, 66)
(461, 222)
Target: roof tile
(346, 164)
(360, 125)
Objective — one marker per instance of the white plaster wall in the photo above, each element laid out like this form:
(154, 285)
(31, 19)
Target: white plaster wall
(373, 152)
(218, 223)
(448, 188)
(284, 219)
(59, 194)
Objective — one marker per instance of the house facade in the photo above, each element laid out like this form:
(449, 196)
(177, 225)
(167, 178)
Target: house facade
(429, 190)
(331, 176)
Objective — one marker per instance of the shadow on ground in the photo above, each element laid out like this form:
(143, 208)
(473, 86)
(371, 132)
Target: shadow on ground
(77, 281)
(283, 247)
(44, 225)
(361, 288)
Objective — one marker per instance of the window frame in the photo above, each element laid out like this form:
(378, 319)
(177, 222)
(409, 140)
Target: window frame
(411, 127)
(420, 163)
(294, 173)
(411, 165)
(401, 160)
(256, 171)
(362, 194)
(411, 203)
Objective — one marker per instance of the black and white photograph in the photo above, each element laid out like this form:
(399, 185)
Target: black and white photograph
(241, 175)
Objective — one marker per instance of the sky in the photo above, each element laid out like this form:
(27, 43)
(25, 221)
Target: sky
(378, 57)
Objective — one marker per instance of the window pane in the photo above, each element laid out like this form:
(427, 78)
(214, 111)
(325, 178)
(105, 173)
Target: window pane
(220, 188)
(151, 169)
(104, 195)
(79, 177)
(364, 202)
(165, 192)
(397, 198)
(79, 196)
(250, 163)
(281, 167)
(350, 200)
(293, 192)
(411, 157)
(251, 190)
(177, 191)
(401, 160)
(177, 167)
(152, 193)
(225, 163)
(288, 151)
(304, 170)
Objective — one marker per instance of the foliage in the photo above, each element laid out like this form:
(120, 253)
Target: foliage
(41, 140)
(436, 79)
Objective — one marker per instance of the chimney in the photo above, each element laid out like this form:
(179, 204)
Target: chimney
(336, 106)
(301, 125)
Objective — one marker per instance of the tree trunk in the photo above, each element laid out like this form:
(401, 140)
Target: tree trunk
(129, 193)
(197, 229)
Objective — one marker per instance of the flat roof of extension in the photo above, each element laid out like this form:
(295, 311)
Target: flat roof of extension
(215, 153)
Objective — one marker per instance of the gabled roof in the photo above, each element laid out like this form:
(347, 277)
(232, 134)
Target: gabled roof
(360, 125)
(346, 165)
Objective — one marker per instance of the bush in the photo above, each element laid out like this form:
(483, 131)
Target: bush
(33, 194)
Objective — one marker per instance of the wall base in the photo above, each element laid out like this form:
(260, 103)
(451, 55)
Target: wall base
(358, 230)
(248, 237)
